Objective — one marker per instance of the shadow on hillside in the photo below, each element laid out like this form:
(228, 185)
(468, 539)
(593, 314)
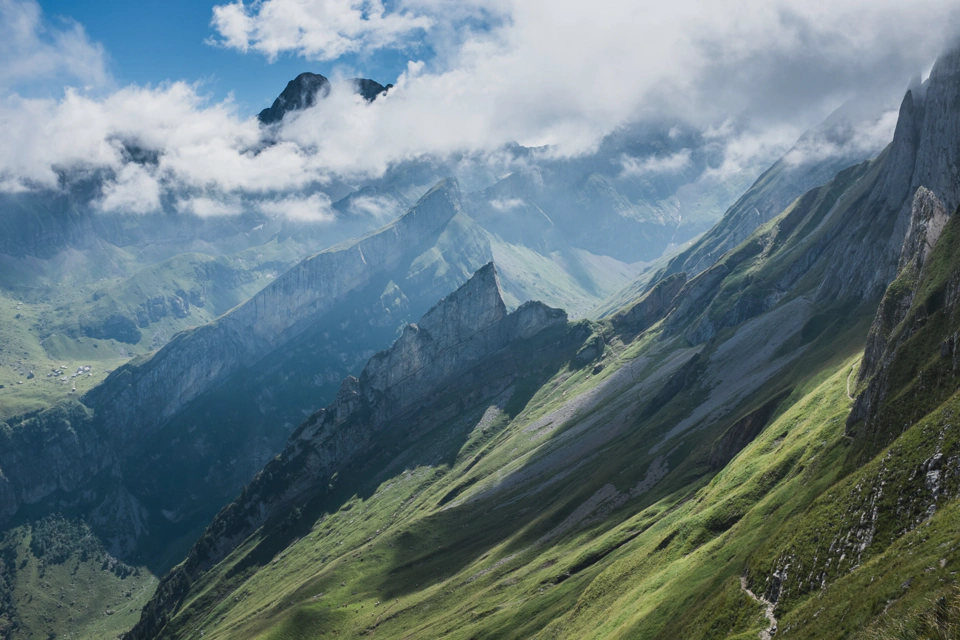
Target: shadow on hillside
(420, 442)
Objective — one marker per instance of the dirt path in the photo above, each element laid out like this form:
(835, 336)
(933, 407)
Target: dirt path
(769, 632)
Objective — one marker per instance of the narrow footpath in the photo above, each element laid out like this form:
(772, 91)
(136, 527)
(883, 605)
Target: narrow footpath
(769, 632)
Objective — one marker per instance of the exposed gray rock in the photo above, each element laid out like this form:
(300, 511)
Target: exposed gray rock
(139, 397)
(56, 450)
(433, 370)
(927, 219)
(924, 152)
(652, 306)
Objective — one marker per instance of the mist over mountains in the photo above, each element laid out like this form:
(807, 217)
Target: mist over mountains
(607, 347)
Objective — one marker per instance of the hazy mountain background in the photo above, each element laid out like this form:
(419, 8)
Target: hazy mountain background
(511, 335)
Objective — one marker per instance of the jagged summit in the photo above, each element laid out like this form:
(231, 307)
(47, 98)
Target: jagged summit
(468, 325)
(303, 92)
(368, 89)
(465, 350)
(471, 308)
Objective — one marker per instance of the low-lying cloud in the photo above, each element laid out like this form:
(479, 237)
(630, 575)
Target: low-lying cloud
(751, 75)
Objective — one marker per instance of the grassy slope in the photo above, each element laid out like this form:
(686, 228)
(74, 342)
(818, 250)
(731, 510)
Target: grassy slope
(541, 528)
(440, 564)
(399, 564)
(21, 351)
(59, 582)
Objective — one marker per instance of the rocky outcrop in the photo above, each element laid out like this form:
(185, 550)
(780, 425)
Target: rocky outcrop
(651, 307)
(138, 398)
(49, 452)
(891, 329)
(925, 152)
(307, 88)
(927, 221)
(840, 243)
(130, 434)
(447, 360)
(368, 89)
(802, 168)
(300, 93)
(428, 360)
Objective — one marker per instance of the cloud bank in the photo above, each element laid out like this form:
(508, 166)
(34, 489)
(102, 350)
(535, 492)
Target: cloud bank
(751, 75)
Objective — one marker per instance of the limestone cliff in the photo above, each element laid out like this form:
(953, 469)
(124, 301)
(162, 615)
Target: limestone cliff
(137, 398)
(219, 401)
(901, 315)
(429, 360)
(463, 351)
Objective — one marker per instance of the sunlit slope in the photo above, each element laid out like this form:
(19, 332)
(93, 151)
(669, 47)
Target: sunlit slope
(598, 458)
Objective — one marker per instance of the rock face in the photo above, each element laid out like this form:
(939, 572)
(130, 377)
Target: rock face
(924, 153)
(845, 237)
(218, 402)
(460, 352)
(300, 93)
(651, 307)
(890, 329)
(928, 217)
(428, 360)
(137, 398)
(307, 88)
(49, 452)
(798, 171)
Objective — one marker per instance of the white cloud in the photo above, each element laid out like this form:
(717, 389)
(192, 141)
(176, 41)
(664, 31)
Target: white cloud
(866, 136)
(377, 207)
(654, 165)
(750, 74)
(33, 51)
(135, 189)
(207, 207)
(313, 208)
(506, 204)
(317, 29)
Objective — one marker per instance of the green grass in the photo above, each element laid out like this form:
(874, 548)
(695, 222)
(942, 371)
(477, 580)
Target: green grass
(21, 352)
(61, 583)
(409, 564)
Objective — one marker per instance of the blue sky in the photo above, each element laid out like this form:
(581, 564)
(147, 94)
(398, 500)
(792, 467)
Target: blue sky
(557, 73)
(152, 41)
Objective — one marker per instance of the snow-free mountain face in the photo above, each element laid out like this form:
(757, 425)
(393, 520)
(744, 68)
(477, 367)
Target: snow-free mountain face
(307, 88)
(708, 462)
(245, 327)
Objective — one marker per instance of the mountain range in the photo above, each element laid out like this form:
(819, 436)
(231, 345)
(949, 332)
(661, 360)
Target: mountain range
(750, 435)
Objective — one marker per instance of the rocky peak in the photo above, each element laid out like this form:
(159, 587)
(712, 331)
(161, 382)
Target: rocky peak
(460, 350)
(468, 325)
(928, 217)
(300, 93)
(938, 149)
(138, 398)
(307, 88)
(470, 309)
(368, 89)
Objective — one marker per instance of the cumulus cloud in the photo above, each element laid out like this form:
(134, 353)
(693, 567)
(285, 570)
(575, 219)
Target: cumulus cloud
(33, 50)
(135, 189)
(316, 29)
(313, 208)
(653, 165)
(205, 207)
(506, 204)
(377, 207)
(864, 136)
(750, 75)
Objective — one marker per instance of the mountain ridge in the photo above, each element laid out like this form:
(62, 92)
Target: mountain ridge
(705, 456)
